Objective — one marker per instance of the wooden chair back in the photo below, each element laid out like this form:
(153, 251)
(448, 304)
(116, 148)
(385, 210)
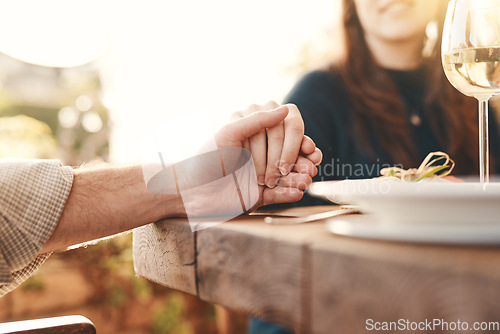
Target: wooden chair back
(73, 324)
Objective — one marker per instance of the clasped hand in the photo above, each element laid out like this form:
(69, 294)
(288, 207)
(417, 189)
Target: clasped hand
(284, 158)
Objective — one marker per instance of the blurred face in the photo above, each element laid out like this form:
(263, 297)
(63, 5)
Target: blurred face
(395, 20)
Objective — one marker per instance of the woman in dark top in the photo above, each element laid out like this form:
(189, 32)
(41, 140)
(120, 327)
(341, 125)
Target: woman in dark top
(385, 102)
(365, 114)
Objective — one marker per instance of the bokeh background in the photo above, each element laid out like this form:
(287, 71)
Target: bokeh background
(86, 80)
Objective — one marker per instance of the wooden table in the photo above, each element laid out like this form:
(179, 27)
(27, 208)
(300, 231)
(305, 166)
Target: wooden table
(305, 278)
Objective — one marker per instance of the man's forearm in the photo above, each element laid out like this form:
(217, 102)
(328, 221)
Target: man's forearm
(106, 201)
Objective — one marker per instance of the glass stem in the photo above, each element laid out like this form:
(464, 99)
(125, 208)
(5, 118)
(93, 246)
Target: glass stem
(484, 171)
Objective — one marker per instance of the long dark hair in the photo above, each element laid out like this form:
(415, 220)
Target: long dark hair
(377, 106)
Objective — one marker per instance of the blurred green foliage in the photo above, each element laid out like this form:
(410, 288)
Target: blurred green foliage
(40, 94)
(168, 317)
(25, 137)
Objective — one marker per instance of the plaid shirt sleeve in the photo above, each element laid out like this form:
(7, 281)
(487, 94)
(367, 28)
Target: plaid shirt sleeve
(32, 197)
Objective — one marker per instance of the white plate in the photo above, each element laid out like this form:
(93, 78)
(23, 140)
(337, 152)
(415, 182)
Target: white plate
(417, 203)
(366, 226)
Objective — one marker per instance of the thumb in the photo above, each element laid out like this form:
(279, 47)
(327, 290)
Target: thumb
(250, 125)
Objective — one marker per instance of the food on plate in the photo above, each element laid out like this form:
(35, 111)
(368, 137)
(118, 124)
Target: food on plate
(435, 165)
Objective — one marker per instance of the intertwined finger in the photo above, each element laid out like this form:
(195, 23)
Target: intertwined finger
(293, 137)
(316, 157)
(305, 166)
(275, 139)
(281, 195)
(258, 147)
(308, 146)
(300, 181)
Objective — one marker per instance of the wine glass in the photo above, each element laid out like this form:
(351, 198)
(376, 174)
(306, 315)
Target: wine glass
(471, 59)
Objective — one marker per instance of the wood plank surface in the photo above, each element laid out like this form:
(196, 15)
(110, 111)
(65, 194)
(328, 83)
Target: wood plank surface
(257, 268)
(305, 278)
(164, 253)
(356, 280)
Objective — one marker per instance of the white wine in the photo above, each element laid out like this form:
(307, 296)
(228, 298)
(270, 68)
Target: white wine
(474, 71)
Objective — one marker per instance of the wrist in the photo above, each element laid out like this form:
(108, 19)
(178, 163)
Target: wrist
(148, 206)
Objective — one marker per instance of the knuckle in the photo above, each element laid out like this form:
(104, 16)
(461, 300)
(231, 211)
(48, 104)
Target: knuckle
(295, 121)
(295, 124)
(296, 130)
(259, 138)
(275, 137)
(272, 166)
(279, 191)
(306, 168)
(272, 104)
(275, 134)
(292, 107)
(236, 115)
(279, 162)
(253, 107)
(301, 168)
(226, 128)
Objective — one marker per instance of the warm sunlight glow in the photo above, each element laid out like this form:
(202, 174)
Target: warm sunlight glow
(55, 33)
(163, 59)
(217, 57)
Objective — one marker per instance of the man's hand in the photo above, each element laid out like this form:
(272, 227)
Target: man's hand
(281, 153)
(282, 148)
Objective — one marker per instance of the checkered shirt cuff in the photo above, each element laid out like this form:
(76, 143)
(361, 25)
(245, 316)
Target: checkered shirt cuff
(32, 197)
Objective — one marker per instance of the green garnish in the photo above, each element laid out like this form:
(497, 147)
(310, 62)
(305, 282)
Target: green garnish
(427, 169)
